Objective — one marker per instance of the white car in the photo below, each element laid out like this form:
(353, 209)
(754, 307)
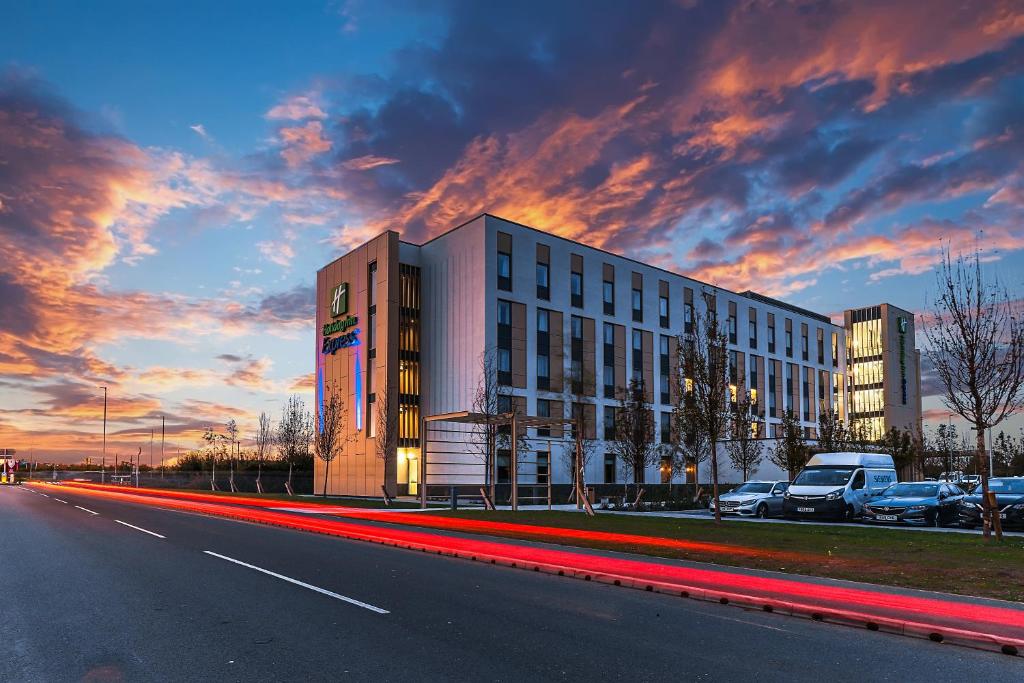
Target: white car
(754, 499)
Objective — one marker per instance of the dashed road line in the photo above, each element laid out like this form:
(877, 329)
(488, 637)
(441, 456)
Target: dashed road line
(139, 528)
(324, 591)
(87, 510)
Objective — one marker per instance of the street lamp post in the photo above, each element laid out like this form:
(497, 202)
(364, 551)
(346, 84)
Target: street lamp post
(102, 467)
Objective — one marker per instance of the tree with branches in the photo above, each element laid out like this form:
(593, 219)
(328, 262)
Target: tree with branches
(634, 443)
(293, 435)
(744, 448)
(833, 435)
(901, 445)
(264, 440)
(385, 438)
(329, 438)
(976, 345)
(705, 363)
(1008, 453)
(486, 433)
(577, 396)
(790, 452)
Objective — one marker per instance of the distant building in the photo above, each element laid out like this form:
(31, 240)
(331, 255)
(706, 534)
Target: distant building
(884, 382)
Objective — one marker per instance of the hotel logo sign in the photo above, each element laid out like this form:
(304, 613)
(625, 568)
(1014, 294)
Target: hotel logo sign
(901, 325)
(339, 300)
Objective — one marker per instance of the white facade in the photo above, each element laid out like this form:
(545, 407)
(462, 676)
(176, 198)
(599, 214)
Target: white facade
(459, 325)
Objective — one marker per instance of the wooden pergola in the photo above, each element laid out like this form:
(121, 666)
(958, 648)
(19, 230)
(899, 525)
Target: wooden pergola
(514, 421)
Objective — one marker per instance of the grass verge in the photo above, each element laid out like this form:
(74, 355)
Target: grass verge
(950, 563)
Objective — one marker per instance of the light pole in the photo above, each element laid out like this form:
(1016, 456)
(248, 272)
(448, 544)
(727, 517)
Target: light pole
(104, 432)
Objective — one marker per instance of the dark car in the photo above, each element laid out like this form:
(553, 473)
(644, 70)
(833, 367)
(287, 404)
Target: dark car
(1009, 499)
(923, 503)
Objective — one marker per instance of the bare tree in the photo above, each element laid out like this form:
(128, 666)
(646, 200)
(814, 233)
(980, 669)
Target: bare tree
(385, 439)
(293, 435)
(704, 360)
(329, 439)
(833, 435)
(634, 443)
(264, 439)
(485, 434)
(744, 448)
(790, 452)
(901, 445)
(946, 442)
(576, 395)
(976, 344)
(231, 432)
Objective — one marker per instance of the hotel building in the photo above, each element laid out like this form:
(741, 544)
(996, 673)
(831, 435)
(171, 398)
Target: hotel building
(406, 326)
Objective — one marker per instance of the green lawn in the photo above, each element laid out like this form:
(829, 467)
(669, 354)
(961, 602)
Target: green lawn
(947, 562)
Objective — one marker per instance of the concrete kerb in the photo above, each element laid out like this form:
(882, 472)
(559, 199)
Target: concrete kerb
(838, 616)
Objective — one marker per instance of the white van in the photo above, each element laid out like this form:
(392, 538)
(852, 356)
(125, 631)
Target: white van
(836, 485)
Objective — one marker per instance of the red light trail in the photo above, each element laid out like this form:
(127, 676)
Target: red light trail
(992, 624)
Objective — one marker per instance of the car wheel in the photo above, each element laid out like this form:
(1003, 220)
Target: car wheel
(936, 520)
(762, 511)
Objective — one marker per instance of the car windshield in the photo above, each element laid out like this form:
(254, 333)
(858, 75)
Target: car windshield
(824, 476)
(755, 487)
(911, 490)
(1006, 485)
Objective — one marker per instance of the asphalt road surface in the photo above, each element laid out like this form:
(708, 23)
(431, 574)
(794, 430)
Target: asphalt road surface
(96, 590)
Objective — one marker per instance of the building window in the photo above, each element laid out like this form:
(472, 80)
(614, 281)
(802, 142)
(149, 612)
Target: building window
(790, 408)
(835, 349)
(608, 297)
(732, 328)
(752, 328)
(771, 339)
(803, 345)
(638, 356)
(543, 320)
(688, 318)
(609, 361)
(772, 408)
(543, 371)
(666, 428)
(821, 346)
(543, 466)
(663, 316)
(543, 410)
(733, 369)
(505, 271)
(543, 281)
(663, 363)
(609, 423)
(753, 380)
(609, 468)
(638, 305)
(806, 400)
(504, 350)
(576, 289)
(789, 343)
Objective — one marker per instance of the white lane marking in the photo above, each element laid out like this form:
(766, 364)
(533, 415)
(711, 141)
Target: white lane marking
(139, 528)
(87, 510)
(44, 495)
(61, 501)
(324, 591)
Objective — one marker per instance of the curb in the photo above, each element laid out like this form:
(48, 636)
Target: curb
(839, 616)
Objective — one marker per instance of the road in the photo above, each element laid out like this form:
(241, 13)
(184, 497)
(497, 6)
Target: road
(87, 597)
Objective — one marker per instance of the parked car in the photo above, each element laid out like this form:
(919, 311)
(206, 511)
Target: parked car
(836, 485)
(754, 499)
(954, 477)
(970, 482)
(925, 503)
(1009, 498)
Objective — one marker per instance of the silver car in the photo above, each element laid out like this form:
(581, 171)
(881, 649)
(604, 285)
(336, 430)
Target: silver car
(754, 499)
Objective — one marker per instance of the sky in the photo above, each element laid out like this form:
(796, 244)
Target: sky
(173, 174)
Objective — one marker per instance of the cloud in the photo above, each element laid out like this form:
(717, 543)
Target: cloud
(277, 252)
(200, 130)
(299, 144)
(365, 163)
(296, 108)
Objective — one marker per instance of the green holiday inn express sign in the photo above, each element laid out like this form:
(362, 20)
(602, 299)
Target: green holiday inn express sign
(339, 307)
(339, 300)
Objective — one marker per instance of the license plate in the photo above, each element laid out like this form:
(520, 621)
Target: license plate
(805, 509)
(888, 518)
